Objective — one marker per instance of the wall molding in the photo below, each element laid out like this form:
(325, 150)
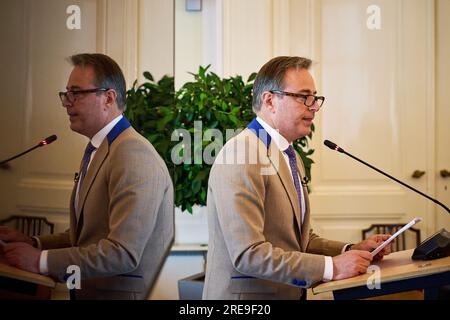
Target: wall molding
(361, 216)
(126, 54)
(130, 40)
(42, 183)
(45, 211)
(226, 37)
(362, 190)
(432, 211)
(281, 19)
(102, 25)
(219, 37)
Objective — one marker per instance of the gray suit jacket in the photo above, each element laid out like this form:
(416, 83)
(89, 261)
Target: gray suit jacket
(258, 246)
(124, 225)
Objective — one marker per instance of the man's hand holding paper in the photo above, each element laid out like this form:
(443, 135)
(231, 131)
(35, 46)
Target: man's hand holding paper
(392, 238)
(372, 243)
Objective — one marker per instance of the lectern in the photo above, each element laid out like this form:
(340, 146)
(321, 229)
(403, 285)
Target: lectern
(398, 273)
(19, 284)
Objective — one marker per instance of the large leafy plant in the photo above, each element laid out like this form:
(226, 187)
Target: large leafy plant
(157, 111)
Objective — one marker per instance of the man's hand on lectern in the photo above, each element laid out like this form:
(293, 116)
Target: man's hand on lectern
(23, 256)
(351, 263)
(8, 234)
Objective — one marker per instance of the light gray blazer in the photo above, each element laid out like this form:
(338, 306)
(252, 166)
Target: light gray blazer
(258, 246)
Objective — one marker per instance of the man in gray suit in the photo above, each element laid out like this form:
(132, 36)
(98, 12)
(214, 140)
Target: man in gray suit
(121, 209)
(261, 245)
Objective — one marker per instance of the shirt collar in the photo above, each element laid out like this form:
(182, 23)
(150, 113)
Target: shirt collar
(279, 140)
(98, 138)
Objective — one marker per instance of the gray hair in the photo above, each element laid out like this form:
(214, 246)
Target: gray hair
(107, 73)
(271, 76)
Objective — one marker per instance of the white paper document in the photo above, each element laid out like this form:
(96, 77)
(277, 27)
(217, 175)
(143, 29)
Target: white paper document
(395, 235)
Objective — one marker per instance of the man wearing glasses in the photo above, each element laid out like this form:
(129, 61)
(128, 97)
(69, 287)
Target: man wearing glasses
(121, 209)
(261, 245)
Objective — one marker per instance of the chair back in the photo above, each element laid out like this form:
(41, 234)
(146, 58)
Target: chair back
(29, 225)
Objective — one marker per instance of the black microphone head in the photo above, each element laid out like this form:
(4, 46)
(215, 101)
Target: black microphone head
(333, 146)
(48, 140)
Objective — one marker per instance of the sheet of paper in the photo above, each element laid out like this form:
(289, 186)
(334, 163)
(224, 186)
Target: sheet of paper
(395, 235)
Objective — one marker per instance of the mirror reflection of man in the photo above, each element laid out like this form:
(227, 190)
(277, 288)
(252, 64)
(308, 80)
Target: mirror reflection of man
(121, 209)
(261, 245)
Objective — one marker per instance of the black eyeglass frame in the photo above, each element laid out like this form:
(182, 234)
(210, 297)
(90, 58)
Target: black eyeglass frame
(317, 99)
(64, 94)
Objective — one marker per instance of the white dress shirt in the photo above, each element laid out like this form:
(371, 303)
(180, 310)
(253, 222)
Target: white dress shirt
(96, 141)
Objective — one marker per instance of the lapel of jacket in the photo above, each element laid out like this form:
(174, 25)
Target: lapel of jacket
(73, 220)
(279, 164)
(306, 223)
(94, 167)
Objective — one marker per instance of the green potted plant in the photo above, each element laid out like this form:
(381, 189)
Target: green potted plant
(157, 112)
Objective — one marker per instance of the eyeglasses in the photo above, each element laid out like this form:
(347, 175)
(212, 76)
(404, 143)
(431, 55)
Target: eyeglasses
(71, 95)
(314, 103)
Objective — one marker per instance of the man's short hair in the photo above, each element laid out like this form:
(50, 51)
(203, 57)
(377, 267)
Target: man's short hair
(107, 73)
(271, 76)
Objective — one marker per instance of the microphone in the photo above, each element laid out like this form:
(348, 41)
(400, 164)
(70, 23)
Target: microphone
(44, 142)
(434, 247)
(335, 147)
(48, 140)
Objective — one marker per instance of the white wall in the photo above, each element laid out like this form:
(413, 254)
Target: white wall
(188, 43)
(198, 39)
(156, 38)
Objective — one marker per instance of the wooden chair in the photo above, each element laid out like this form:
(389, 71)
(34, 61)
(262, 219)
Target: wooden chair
(402, 242)
(29, 225)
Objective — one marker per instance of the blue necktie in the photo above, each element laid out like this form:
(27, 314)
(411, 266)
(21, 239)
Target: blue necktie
(86, 158)
(293, 164)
